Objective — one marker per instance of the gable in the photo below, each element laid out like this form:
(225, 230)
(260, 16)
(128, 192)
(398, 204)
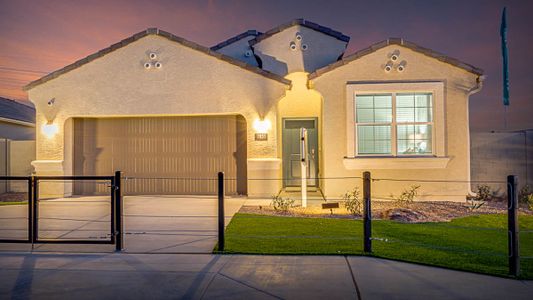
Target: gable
(400, 43)
(239, 48)
(156, 32)
(298, 47)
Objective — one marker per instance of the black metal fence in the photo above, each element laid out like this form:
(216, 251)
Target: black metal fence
(34, 202)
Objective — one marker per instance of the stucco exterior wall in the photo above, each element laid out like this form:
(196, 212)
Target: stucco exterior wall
(239, 49)
(189, 83)
(457, 86)
(277, 56)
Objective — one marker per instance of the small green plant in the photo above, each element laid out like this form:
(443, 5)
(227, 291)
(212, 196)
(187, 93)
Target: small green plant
(407, 196)
(530, 201)
(474, 204)
(524, 194)
(282, 204)
(483, 193)
(353, 202)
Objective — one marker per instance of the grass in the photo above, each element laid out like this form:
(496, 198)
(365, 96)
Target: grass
(476, 243)
(2, 203)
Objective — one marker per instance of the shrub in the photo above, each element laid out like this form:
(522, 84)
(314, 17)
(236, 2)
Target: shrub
(483, 193)
(524, 194)
(283, 204)
(530, 201)
(473, 203)
(353, 202)
(407, 196)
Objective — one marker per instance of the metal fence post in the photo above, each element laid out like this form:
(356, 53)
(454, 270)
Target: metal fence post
(367, 217)
(35, 210)
(221, 211)
(512, 223)
(30, 209)
(119, 225)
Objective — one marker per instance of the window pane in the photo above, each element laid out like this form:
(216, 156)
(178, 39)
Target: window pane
(366, 133)
(423, 100)
(364, 101)
(365, 115)
(373, 139)
(382, 132)
(383, 115)
(405, 100)
(405, 132)
(414, 139)
(405, 114)
(423, 114)
(383, 101)
(382, 147)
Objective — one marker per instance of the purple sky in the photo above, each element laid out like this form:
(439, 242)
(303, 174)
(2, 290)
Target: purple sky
(47, 35)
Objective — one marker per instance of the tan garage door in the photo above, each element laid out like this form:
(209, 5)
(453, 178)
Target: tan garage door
(165, 155)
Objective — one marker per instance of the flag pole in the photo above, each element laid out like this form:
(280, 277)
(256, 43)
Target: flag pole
(505, 69)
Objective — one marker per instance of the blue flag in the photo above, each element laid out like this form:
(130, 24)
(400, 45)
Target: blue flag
(505, 54)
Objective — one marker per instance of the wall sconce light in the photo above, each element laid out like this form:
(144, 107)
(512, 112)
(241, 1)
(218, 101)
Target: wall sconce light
(261, 128)
(49, 129)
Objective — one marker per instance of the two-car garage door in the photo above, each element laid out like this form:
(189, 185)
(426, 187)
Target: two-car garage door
(163, 155)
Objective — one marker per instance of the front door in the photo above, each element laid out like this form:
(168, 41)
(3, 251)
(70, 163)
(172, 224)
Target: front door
(291, 151)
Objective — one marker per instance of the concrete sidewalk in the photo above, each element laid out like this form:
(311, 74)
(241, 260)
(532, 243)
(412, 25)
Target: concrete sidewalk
(171, 276)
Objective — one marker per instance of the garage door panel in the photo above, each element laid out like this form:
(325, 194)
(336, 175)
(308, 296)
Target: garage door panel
(190, 150)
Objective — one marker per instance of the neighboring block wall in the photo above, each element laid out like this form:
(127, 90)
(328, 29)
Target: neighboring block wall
(15, 160)
(369, 68)
(495, 155)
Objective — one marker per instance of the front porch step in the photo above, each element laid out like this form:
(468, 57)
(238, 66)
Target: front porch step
(296, 194)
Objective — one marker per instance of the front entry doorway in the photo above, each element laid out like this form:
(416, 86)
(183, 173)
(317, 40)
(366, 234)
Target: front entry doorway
(291, 151)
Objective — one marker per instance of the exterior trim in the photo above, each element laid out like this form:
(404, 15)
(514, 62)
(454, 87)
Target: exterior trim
(325, 30)
(167, 35)
(18, 122)
(400, 42)
(399, 163)
(235, 39)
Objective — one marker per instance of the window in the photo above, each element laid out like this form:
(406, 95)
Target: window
(394, 124)
(374, 121)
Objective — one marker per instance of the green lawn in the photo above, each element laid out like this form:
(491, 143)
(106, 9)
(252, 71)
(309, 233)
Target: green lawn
(2, 203)
(477, 243)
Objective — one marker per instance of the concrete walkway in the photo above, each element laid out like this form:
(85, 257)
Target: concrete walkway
(153, 224)
(198, 276)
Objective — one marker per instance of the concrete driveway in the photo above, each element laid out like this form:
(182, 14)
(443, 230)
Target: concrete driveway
(153, 224)
(207, 276)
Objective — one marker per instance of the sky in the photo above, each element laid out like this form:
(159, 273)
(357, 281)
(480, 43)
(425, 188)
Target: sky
(40, 36)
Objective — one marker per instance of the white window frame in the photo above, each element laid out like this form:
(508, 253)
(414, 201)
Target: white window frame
(436, 88)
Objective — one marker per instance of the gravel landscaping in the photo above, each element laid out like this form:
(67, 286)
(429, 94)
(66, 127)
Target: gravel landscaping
(416, 212)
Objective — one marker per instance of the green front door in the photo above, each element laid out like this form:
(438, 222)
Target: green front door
(291, 151)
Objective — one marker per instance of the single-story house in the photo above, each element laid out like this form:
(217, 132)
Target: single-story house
(17, 120)
(158, 105)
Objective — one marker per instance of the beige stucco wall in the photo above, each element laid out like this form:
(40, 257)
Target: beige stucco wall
(369, 69)
(300, 102)
(239, 49)
(189, 83)
(277, 57)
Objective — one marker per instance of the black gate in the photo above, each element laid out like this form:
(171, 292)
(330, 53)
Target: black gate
(33, 182)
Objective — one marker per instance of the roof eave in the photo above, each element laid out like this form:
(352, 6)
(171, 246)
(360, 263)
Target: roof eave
(302, 22)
